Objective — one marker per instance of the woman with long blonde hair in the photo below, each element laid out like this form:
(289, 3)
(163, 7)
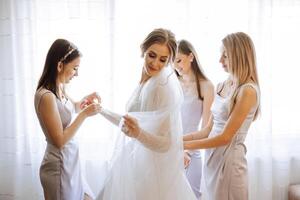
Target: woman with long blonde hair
(236, 105)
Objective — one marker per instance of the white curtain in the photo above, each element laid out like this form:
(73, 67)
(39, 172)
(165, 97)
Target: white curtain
(108, 33)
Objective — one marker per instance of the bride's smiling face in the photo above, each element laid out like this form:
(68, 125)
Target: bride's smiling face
(156, 57)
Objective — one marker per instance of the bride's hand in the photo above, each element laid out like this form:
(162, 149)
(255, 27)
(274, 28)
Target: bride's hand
(130, 126)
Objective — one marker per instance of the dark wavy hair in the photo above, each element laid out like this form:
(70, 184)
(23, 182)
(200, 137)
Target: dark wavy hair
(60, 51)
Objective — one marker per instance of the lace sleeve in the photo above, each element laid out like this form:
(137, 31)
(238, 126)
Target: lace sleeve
(159, 115)
(159, 140)
(111, 116)
(154, 142)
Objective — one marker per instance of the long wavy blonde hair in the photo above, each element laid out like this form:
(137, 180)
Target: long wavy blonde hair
(242, 63)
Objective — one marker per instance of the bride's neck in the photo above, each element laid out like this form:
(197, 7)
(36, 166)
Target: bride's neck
(145, 77)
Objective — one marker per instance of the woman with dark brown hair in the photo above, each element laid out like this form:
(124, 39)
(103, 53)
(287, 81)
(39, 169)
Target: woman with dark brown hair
(198, 93)
(60, 173)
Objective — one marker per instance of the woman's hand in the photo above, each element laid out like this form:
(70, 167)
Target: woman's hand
(186, 159)
(91, 109)
(130, 126)
(89, 99)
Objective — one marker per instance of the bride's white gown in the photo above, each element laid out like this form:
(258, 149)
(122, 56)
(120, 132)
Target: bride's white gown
(150, 167)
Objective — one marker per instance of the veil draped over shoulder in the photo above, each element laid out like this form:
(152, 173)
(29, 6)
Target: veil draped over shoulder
(151, 168)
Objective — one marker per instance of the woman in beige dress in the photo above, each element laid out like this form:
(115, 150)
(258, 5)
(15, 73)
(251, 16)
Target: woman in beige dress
(235, 106)
(60, 173)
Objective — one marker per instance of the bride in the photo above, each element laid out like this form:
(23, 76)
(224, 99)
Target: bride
(147, 162)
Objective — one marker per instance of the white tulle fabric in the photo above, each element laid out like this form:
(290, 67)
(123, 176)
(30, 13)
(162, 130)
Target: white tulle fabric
(151, 166)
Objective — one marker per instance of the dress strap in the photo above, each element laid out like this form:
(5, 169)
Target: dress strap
(253, 85)
(39, 94)
(220, 87)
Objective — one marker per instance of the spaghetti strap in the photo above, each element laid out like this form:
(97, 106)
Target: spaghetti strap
(39, 94)
(253, 85)
(220, 87)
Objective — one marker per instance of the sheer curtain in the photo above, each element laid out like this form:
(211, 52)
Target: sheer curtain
(109, 32)
(27, 29)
